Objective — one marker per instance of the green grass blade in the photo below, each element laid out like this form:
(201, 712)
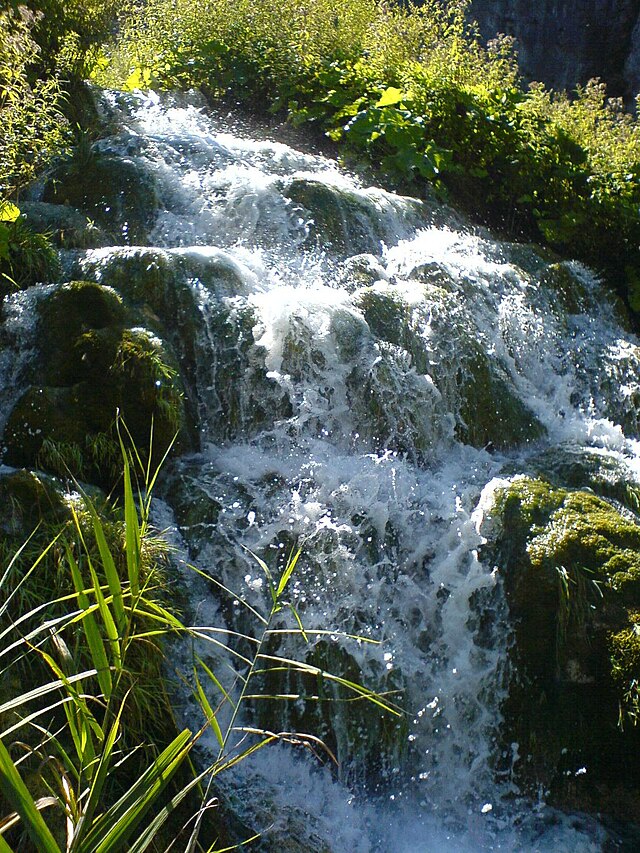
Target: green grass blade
(288, 571)
(94, 639)
(109, 566)
(43, 690)
(234, 846)
(14, 561)
(16, 792)
(4, 847)
(99, 780)
(229, 592)
(150, 832)
(299, 621)
(215, 680)
(267, 572)
(208, 711)
(112, 829)
(132, 531)
(236, 759)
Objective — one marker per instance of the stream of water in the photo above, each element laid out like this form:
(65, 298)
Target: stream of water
(364, 371)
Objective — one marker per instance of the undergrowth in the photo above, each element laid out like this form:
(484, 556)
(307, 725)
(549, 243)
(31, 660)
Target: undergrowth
(91, 756)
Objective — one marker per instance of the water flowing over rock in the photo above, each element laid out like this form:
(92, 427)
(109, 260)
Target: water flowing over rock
(429, 414)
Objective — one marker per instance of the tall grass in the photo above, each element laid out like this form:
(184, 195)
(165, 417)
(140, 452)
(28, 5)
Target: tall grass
(83, 676)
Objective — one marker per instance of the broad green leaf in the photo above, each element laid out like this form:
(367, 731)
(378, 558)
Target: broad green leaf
(8, 212)
(390, 96)
(140, 78)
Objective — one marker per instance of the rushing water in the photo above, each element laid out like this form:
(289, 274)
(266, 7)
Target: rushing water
(363, 369)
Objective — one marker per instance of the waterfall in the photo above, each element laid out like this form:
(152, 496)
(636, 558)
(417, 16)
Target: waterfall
(363, 371)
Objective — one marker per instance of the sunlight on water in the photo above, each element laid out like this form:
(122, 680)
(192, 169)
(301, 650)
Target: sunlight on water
(339, 335)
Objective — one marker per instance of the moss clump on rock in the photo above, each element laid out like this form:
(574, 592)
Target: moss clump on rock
(92, 364)
(338, 220)
(119, 194)
(491, 414)
(570, 563)
(68, 227)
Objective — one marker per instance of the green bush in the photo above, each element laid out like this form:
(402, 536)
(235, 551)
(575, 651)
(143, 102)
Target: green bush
(31, 125)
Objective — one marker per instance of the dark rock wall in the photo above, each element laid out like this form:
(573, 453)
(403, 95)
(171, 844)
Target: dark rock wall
(566, 42)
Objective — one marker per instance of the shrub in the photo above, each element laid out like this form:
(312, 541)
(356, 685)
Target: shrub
(31, 125)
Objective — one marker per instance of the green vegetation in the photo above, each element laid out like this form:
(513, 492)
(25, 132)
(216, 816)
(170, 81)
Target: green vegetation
(413, 92)
(90, 755)
(92, 362)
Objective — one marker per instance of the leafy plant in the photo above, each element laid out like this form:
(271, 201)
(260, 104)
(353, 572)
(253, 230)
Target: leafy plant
(74, 774)
(32, 127)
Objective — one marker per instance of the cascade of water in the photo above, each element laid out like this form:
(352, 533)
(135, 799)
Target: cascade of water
(362, 371)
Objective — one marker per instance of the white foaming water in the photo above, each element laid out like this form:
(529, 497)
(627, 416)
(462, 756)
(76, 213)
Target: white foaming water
(336, 330)
(17, 344)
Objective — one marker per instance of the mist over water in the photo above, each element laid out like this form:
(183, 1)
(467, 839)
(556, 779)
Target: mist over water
(364, 372)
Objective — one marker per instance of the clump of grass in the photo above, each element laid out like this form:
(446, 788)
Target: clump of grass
(83, 767)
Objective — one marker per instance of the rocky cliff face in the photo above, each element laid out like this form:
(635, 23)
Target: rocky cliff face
(566, 42)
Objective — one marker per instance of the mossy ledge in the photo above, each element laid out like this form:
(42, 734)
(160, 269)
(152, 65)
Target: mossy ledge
(570, 564)
(91, 363)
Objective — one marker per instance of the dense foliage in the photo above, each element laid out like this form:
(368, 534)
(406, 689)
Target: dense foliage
(414, 92)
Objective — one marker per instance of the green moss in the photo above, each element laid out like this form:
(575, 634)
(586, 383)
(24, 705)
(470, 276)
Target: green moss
(68, 227)
(28, 258)
(579, 531)
(490, 413)
(390, 319)
(580, 468)
(567, 287)
(29, 499)
(487, 412)
(91, 365)
(339, 220)
(625, 653)
(120, 195)
(570, 563)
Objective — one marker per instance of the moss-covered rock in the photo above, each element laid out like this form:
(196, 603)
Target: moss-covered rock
(27, 257)
(475, 387)
(29, 499)
(91, 365)
(339, 220)
(570, 563)
(118, 193)
(67, 227)
(491, 414)
(591, 470)
(359, 271)
(566, 286)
